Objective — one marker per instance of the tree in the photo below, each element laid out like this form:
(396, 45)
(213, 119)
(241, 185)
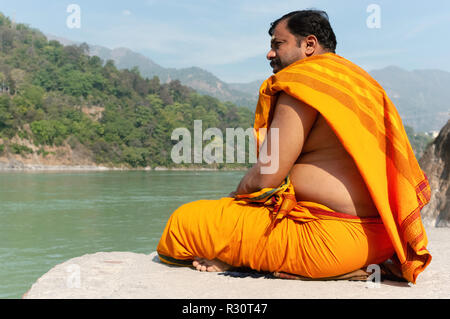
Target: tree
(49, 132)
(154, 86)
(76, 83)
(6, 39)
(6, 118)
(34, 94)
(18, 77)
(419, 141)
(49, 85)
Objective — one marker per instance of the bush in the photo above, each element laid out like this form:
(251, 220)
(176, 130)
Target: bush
(20, 149)
(49, 132)
(42, 152)
(23, 135)
(135, 156)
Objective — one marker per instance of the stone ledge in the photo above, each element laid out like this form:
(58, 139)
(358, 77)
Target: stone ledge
(129, 275)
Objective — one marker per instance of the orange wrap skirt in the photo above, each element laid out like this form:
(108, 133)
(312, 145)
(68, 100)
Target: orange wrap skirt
(235, 232)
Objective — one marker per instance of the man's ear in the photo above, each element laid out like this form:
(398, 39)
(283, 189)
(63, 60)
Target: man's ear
(311, 45)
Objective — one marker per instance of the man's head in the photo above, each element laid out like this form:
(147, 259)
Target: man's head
(298, 35)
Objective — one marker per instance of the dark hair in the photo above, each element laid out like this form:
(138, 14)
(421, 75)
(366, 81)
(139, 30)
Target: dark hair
(309, 22)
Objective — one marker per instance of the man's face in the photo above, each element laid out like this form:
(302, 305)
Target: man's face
(284, 48)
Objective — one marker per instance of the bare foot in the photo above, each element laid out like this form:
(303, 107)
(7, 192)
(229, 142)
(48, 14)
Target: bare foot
(202, 264)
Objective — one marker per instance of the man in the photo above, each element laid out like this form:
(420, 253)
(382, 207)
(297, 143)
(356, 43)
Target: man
(336, 203)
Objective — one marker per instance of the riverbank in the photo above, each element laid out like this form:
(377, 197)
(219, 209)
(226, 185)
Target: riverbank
(14, 165)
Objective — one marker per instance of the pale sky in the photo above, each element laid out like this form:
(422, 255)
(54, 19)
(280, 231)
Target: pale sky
(229, 37)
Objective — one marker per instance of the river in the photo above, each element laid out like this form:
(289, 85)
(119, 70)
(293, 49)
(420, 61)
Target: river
(48, 218)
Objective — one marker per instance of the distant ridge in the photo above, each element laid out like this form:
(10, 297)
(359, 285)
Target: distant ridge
(61, 106)
(200, 80)
(421, 96)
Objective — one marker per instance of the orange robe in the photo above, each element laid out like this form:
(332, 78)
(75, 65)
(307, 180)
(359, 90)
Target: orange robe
(253, 231)
(366, 122)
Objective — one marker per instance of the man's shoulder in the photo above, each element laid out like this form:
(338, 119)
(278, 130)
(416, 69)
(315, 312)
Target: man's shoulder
(327, 61)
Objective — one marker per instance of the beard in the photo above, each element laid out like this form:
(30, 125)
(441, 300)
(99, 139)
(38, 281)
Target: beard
(276, 65)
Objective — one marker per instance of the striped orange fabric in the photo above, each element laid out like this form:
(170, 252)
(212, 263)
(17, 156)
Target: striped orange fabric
(368, 125)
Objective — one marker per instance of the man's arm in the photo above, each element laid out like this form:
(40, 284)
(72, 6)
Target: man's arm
(293, 119)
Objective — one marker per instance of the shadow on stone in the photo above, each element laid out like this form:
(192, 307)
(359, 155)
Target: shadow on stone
(246, 273)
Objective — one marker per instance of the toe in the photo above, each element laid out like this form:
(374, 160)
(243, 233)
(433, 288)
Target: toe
(212, 269)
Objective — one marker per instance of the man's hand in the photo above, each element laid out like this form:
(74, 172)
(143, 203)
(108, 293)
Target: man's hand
(232, 194)
(294, 120)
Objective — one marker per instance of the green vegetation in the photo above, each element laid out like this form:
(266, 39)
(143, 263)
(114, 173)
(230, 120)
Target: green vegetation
(20, 149)
(419, 141)
(44, 86)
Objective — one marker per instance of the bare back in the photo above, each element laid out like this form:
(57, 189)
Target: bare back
(325, 173)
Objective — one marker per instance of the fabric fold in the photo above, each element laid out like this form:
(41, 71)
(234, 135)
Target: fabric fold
(369, 127)
(268, 231)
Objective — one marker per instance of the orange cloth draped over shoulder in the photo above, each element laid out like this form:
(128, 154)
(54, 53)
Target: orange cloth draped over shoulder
(269, 231)
(368, 125)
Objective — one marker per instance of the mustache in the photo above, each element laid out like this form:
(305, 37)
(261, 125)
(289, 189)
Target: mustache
(275, 62)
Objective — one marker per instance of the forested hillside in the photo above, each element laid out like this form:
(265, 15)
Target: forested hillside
(54, 95)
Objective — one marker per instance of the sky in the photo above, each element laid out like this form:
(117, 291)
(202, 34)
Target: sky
(229, 37)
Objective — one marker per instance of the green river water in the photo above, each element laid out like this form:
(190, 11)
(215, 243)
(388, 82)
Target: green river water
(48, 218)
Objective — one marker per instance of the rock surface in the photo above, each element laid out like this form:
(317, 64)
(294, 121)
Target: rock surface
(436, 164)
(139, 276)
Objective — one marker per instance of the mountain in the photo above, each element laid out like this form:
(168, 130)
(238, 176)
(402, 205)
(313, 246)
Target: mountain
(61, 106)
(202, 81)
(422, 97)
(251, 88)
(436, 164)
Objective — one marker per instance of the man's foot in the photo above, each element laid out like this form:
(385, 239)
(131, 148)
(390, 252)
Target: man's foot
(202, 264)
